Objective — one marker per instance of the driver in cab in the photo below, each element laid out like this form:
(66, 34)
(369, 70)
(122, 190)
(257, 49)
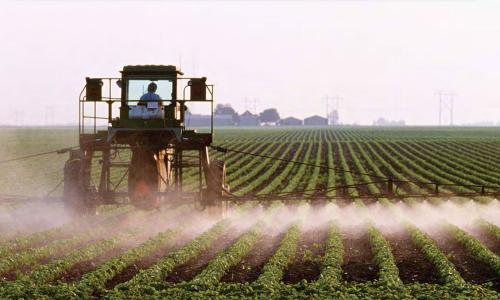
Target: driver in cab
(151, 99)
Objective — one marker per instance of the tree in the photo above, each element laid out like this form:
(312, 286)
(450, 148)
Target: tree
(269, 115)
(224, 109)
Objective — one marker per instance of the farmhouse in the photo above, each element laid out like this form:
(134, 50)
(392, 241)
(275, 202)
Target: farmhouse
(196, 120)
(315, 121)
(223, 120)
(249, 119)
(291, 121)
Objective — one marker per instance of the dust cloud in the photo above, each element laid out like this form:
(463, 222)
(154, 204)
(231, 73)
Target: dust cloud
(25, 219)
(29, 217)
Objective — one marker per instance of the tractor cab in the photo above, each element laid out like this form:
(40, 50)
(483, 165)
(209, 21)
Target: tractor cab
(143, 113)
(143, 107)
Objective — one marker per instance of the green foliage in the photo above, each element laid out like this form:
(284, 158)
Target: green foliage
(382, 255)
(97, 279)
(159, 270)
(458, 156)
(49, 272)
(272, 272)
(298, 178)
(284, 175)
(446, 271)
(492, 229)
(331, 268)
(475, 248)
(23, 243)
(32, 256)
(217, 267)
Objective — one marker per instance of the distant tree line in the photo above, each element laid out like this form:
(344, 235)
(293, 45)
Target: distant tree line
(269, 115)
(225, 115)
(384, 122)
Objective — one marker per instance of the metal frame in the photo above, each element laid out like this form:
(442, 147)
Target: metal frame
(106, 191)
(109, 100)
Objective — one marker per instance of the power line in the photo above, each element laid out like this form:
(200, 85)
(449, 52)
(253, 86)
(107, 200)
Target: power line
(251, 105)
(446, 101)
(332, 114)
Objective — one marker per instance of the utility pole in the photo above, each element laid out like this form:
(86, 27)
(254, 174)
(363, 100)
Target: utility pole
(251, 105)
(335, 106)
(446, 101)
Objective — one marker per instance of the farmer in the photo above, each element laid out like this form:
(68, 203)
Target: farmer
(151, 96)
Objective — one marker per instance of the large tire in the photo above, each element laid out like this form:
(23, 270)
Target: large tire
(218, 173)
(147, 176)
(215, 187)
(75, 196)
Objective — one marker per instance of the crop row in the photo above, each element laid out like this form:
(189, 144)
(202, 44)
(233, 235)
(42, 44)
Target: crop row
(331, 268)
(478, 250)
(272, 272)
(151, 281)
(492, 229)
(22, 243)
(225, 259)
(401, 159)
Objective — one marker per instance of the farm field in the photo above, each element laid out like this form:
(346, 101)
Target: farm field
(291, 230)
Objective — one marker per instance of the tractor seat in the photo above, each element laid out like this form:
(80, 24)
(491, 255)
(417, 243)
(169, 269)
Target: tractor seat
(150, 112)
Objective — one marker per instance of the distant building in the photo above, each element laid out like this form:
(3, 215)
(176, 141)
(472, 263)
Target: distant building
(316, 121)
(291, 121)
(224, 120)
(194, 120)
(333, 117)
(249, 119)
(384, 122)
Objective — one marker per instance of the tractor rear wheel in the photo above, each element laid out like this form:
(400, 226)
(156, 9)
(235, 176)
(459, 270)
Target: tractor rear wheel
(218, 173)
(147, 176)
(75, 196)
(215, 187)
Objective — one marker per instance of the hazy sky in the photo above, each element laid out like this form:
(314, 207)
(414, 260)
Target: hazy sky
(383, 58)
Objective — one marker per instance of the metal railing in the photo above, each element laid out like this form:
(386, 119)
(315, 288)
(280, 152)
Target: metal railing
(85, 115)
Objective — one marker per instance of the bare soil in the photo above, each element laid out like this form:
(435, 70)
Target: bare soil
(76, 272)
(295, 168)
(145, 263)
(249, 268)
(194, 266)
(488, 240)
(362, 189)
(273, 147)
(399, 169)
(340, 179)
(412, 265)
(358, 259)
(472, 270)
(307, 262)
(322, 182)
(277, 172)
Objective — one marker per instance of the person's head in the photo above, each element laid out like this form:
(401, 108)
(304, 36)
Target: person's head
(152, 87)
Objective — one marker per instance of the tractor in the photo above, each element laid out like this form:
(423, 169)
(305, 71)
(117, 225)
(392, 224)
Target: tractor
(149, 125)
